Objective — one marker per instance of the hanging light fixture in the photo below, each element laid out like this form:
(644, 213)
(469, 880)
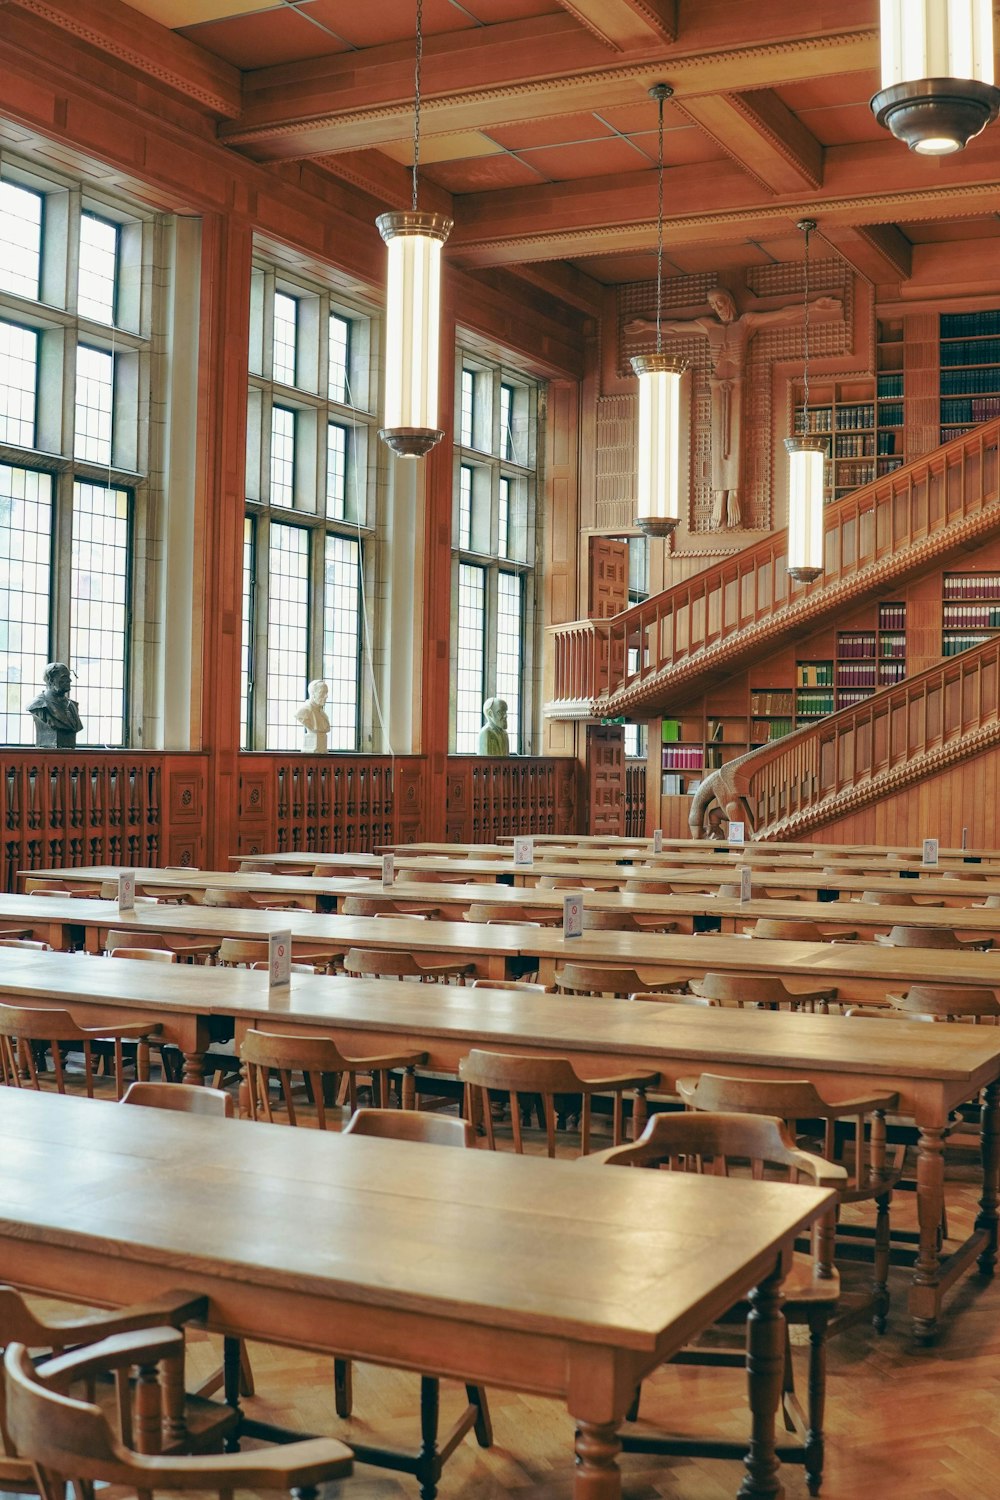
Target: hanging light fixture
(658, 472)
(806, 456)
(937, 73)
(413, 309)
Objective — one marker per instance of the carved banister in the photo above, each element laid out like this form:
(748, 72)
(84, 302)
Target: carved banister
(725, 614)
(859, 754)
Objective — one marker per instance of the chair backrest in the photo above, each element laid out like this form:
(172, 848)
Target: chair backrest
(419, 1125)
(922, 937)
(148, 955)
(317, 1059)
(238, 951)
(610, 921)
(223, 896)
(755, 989)
(25, 943)
(992, 902)
(946, 1002)
(128, 939)
(649, 887)
(794, 930)
(885, 898)
(377, 906)
(608, 979)
(508, 911)
(567, 883)
(525, 985)
(384, 963)
(186, 1098)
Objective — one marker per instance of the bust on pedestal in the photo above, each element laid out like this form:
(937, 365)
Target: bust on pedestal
(493, 738)
(57, 718)
(312, 716)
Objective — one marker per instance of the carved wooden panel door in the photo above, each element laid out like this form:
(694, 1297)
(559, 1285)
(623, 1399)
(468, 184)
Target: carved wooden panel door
(605, 779)
(608, 595)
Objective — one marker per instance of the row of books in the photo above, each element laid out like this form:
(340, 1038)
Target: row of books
(856, 643)
(854, 474)
(814, 674)
(892, 617)
(970, 352)
(971, 586)
(853, 698)
(891, 644)
(961, 410)
(890, 672)
(813, 705)
(972, 617)
(683, 758)
(770, 701)
(968, 324)
(890, 416)
(889, 386)
(970, 382)
(954, 645)
(856, 674)
(888, 466)
(854, 445)
(774, 729)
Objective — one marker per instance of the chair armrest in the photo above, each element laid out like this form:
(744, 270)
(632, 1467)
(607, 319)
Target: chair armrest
(119, 1352)
(620, 1081)
(863, 1104)
(285, 1466)
(135, 1031)
(390, 1060)
(173, 1307)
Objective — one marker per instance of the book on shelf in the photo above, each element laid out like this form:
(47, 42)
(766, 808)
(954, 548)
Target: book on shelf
(778, 728)
(969, 324)
(892, 617)
(856, 643)
(814, 673)
(813, 705)
(766, 701)
(954, 645)
(971, 586)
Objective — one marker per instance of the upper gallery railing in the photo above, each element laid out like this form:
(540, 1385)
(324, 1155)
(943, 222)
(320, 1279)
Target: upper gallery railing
(716, 616)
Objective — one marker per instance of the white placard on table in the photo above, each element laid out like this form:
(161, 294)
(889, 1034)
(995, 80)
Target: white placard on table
(572, 916)
(746, 884)
(388, 870)
(279, 959)
(126, 890)
(657, 840)
(737, 833)
(965, 838)
(524, 851)
(930, 852)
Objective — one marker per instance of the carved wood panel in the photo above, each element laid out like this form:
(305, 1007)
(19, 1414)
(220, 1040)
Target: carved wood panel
(492, 797)
(608, 590)
(605, 779)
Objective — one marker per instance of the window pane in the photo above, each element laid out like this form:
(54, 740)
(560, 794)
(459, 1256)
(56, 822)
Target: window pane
(287, 634)
(509, 653)
(468, 406)
(95, 379)
(25, 586)
(97, 281)
(18, 383)
(247, 632)
(98, 609)
(286, 328)
(503, 520)
(342, 639)
(471, 630)
(506, 410)
(20, 239)
(340, 353)
(465, 506)
(282, 456)
(336, 471)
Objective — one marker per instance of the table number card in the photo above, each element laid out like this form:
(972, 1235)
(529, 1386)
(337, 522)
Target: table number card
(572, 916)
(388, 870)
(657, 840)
(524, 851)
(126, 891)
(279, 959)
(737, 833)
(746, 885)
(930, 852)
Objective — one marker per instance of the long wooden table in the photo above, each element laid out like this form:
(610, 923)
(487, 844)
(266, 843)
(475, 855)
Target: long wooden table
(409, 1255)
(933, 1068)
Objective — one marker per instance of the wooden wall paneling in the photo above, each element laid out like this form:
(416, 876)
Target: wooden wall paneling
(254, 813)
(605, 779)
(607, 594)
(559, 522)
(921, 383)
(963, 796)
(185, 807)
(408, 772)
(490, 797)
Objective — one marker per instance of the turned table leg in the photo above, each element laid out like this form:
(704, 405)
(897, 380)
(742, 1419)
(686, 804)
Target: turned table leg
(925, 1296)
(990, 1146)
(597, 1475)
(765, 1372)
(194, 1067)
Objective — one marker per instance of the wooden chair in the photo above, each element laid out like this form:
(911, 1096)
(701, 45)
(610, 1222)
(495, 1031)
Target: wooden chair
(31, 943)
(69, 1440)
(147, 955)
(322, 1066)
(508, 911)
(525, 1078)
(171, 895)
(931, 937)
(871, 1177)
(885, 898)
(236, 953)
(567, 883)
(940, 1002)
(382, 906)
(759, 991)
(27, 1034)
(14, 933)
(184, 1424)
(798, 932)
(184, 946)
(611, 979)
(427, 1464)
(386, 963)
(527, 986)
(36, 886)
(750, 1145)
(625, 921)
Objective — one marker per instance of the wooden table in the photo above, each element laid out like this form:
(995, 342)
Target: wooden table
(409, 1255)
(933, 1068)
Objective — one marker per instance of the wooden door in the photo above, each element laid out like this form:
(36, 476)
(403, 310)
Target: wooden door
(605, 779)
(608, 593)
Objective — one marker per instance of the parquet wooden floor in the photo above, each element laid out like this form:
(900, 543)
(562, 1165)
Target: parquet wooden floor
(903, 1423)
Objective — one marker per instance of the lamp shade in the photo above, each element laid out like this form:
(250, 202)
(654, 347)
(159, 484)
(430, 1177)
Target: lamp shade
(806, 456)
(658, 456)
(937, 73)
(413, 329)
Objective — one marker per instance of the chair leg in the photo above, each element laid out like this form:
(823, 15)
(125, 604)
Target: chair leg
(817, 1403)
(632, 1415)
(232, 1360)
(343, 1387)
(484, 1422)
(427, 1469)
(880, 1282)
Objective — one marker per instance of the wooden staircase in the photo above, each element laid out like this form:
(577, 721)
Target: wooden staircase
(671, 647)
(898, 736)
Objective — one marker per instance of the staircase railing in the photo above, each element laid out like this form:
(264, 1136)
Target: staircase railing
(874, 534)
(897, 736)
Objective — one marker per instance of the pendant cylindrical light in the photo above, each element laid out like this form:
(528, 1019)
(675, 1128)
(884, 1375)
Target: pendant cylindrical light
(937, 73)
(413, 320)
(658, 507)
(806, 456)
(413, 307)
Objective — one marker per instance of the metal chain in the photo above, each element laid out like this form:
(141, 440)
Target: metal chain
(659, 226)
(416, 98)
(807, 227)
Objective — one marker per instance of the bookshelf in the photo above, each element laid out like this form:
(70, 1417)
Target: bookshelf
(889, 391)
(971, 611)
(970, 371)
(813, 690)
(844, 415)
(772, 714)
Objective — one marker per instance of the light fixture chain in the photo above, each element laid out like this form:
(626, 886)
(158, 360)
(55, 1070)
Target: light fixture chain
(807, 226)
(659, 227)
(416, 98)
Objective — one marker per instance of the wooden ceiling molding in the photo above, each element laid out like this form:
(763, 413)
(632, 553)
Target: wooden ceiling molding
(760, 133)
(879, 252)
(624, 24)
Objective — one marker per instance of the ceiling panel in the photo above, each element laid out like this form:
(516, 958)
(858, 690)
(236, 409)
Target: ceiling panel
(383, 21)
(263, 40)
(944, 231)
(560, 131)
(483, 174)
(587, 159)
(177, 13)
(826, 93)
(642, 116)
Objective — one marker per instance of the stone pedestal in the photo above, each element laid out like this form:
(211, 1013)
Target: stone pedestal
(315, 742)
(54, 739)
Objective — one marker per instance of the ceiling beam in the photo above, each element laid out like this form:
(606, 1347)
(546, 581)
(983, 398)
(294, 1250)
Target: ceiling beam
(879, 252)
(760, 133)
(625, 24)
(386, 181)
(495, 75)
(147, 47)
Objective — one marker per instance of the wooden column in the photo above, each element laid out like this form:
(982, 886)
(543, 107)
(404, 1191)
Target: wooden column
(222, 405)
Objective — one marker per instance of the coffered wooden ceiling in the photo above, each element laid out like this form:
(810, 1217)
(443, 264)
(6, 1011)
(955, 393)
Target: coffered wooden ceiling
(540, 140)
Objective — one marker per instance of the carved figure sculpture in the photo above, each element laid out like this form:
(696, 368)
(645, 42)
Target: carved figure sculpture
(493, 737)
(312, 716)
(56, 715)
(728, 335)
(725, 788)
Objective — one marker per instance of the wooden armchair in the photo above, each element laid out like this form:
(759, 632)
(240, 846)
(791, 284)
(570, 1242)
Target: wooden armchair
(798, 932)
(322, 1067)
(759, 991)
(932, 937)
(528, 1079)
(745, 1145)
(508, 911)
(383, 906)
(871, 1176)
(625, 921)
(429, 1461)
(235, 953)
(68, 1440)
(386, 963)
(613, 979)
(941, 1002)
(185, 946)
(27, 1034)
